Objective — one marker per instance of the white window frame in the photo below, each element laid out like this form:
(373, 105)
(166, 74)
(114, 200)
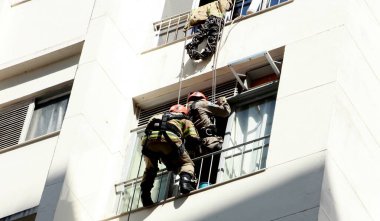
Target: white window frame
(31, 103)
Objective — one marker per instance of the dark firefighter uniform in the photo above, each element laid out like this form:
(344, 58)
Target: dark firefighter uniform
(210, 16)
(202, 113)
(164, 141)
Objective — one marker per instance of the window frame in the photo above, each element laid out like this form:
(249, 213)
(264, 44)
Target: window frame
(44, 101)
(252, 95)
(32, 103)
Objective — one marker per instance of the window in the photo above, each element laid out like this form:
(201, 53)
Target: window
(47, 116)
(130, 191)
(174, 18)
(165, 185)
(32, 119)
(176, 14)
(247, 131)
(26, 215)
(244, 152)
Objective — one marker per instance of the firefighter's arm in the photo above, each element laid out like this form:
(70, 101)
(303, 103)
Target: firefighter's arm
(221, 108)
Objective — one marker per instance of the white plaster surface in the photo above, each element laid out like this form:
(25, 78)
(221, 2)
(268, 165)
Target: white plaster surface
(355, 152)
(311, 62)
(301, 124)
(286, 192)
(365, 30)
(23, 172)
(23, 86)
(36, 25)
(95, 96)
(339, 200)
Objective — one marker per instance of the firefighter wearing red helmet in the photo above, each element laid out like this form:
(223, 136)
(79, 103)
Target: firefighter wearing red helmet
(202, 113)
(163, 141)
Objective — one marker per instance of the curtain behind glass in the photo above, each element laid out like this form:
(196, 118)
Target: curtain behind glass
(249, 122)
(47, 119)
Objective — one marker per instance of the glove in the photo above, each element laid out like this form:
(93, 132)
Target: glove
(146, 198)
(221, 100)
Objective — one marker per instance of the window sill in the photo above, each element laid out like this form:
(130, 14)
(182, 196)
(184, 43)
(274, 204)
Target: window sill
(31, 141)
(18, 2)
(186, 195)
(238, 19)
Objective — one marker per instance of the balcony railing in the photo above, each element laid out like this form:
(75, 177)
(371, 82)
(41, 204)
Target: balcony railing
(171, 29)
(211, 169)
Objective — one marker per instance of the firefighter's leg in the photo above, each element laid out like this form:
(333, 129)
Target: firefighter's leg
(186, 182)
(200, 35)
(213, 35)
(147, 182)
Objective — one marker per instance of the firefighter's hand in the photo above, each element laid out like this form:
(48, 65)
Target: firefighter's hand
(186, 27)
(146, 199)
(221, 100)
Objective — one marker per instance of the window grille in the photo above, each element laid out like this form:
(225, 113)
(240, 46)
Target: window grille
(226, 89)
(171, 29)
(11, 125)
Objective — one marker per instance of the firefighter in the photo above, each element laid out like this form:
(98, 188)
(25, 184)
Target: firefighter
(202, 114)
(165, 138)
(210, 16)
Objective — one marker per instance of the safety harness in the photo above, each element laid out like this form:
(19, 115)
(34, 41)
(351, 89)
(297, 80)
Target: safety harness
(162, 126)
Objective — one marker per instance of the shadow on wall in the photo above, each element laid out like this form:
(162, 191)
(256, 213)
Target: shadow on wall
(51, 207)
(276, 194)
(192, 67)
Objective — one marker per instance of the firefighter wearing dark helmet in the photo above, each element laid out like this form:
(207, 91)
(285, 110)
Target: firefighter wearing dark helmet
(163, 141)
(202, 113)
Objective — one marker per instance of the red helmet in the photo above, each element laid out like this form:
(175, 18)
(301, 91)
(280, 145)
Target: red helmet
(196, 96)
(178, 108)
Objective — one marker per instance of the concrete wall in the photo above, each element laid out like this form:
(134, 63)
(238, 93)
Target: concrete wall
(264, 32)
(327, 98)
(24, 169)
(313, 97)
(24, 172)
(91, 152)
(38, 25)
(350, 187)
(287, 192)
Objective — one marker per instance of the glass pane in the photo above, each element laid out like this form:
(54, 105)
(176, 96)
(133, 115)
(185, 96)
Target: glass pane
(47, 118)
(134, 170)
(131, 200)
(241, 7)
(274, 2)
(250, 122)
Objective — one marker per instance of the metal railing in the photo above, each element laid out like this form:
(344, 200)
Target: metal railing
(171, 29)
(214, 168)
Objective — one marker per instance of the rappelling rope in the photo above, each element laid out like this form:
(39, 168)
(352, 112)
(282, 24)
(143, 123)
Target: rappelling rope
(182, 69)
(215, 60)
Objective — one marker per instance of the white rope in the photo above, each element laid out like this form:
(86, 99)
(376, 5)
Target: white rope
(215, 60)
(182, 69)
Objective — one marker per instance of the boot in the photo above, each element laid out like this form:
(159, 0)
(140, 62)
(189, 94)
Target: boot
(146, 199)
(186, 185)
(193, 52)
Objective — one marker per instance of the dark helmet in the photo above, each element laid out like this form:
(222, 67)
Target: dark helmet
(196, 96)
(178, 108)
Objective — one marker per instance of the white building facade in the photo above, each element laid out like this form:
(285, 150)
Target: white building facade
(79, 79)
